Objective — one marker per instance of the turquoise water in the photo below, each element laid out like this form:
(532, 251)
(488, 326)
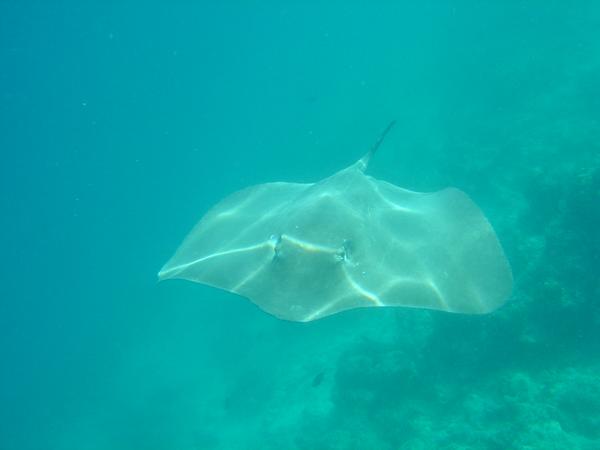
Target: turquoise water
(121, 125)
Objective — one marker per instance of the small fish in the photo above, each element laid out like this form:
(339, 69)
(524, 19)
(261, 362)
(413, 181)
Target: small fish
(318, 379)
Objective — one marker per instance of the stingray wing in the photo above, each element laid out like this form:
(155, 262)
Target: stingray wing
(306, 251)
(235, 238)
(435, 250)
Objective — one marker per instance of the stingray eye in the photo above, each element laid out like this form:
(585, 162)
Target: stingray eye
(343, 253)
(275, 241)
(348, 248)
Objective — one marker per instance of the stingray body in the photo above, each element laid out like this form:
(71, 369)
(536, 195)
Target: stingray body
(305, 251)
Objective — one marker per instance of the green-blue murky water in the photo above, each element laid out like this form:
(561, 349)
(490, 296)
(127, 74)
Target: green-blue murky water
(120, 125)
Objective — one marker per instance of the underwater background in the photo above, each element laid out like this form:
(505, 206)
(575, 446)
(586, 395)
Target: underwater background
(122, 123)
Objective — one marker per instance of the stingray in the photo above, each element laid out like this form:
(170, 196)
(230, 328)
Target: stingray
(303, 251)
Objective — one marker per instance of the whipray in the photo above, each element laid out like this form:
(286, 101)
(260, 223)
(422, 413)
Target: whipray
(305, 251)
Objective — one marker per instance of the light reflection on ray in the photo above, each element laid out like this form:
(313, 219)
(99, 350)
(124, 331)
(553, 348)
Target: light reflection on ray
(181, 267)
(394, 205)
(247, 279)
(370, 296)
(307, 246)
(442, 301)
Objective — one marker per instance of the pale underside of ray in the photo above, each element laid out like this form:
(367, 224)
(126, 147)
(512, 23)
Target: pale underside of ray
(306, 251)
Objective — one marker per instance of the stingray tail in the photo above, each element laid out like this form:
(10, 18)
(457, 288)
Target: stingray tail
(364, 161)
